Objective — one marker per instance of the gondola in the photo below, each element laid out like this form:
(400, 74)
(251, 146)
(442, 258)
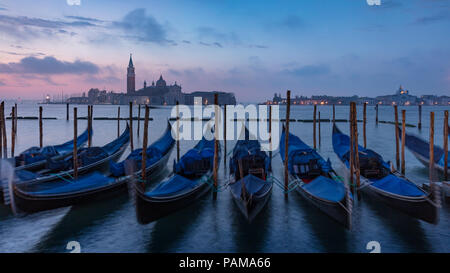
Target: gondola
(390, 187)
(249, 169)
(316, 181)
(421, 150)
(38, 196)
(190, 181)
(34, 158)
(89, 159)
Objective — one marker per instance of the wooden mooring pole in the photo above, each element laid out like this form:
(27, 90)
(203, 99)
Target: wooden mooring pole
(286, 143)
(376, 113)
(355, 138)
(403, 140)
(431, 165)
(15, 120)
(446, 145)
(4, 138)
(364, 124)
(139, 119)
(13, 131)
(216, 144)
(118, 121)
(41, 134)
(75, 148)
(1, 131)
(419, 125)
(270, 132)
(144, 143)
(352, 152)
(67, 111)
(314, 125)
(89, 127)
(131, 126)
(178, 132)
(397, 152)
(319, 131)
(225, 135)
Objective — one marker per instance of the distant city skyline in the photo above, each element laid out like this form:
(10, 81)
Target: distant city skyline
(251, 48)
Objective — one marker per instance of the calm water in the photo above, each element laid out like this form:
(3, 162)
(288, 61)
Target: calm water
(291, 225)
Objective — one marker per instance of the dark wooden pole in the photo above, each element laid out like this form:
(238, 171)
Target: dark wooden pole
(431, 165)
(41, 134)
(67, 111)
(270, 132)
(89, 126)
(446, 145)
(13, 134)
(225, 134)
(118, 121)
(4, 138)
(1, 130)
(403, 140)
(314, 126)
(286, 144)
(216, 144)
(364, 124)
(355, 137)
(131, 126)
(420, 117)
(139, 119)
(75, 148)
(352, 153)
(144, 143)
(178, 132)
(15, 119)
(397, 152)
(319, 131)
(376, 114)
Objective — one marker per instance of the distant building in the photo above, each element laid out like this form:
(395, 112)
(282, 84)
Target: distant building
(131, 78)
(208, 97)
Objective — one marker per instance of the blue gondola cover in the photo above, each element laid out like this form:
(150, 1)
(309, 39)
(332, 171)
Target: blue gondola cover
(326, 188)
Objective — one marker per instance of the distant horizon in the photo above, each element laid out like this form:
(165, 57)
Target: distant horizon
(341, 48)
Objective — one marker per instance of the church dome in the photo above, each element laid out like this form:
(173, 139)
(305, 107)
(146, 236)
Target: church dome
(161, 81)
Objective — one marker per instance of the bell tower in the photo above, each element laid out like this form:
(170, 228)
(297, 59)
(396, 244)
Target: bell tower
(131, 76)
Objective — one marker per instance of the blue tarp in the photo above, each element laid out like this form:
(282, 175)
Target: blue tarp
(204, 150)
(36, 154)
(87, 182)
(300, 153)
(441, 161)
(247, 147)
(326, 188)
(422, 147)
(253, 185)
(397, 185)
(176, 184)
(154, 153)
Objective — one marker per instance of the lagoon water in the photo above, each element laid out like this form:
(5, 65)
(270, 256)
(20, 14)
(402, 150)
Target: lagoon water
(285, 225)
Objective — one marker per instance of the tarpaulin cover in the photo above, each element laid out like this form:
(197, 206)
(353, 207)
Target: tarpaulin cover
(441, 162)
(397, 185)
(87, 156)
(247, 147)
(253, 185)
(204, 150)
(300, 153)
(326, 188)
(176, 184)
(36, 154)
(154, 153)
(87, 182)
(422, 147)
(341, 146)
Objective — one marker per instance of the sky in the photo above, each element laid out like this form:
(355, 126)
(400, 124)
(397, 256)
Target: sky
(252, 48)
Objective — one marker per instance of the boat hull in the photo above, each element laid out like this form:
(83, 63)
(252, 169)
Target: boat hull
(338, 211)
(251, 209)
(31, 203)
(150, 209)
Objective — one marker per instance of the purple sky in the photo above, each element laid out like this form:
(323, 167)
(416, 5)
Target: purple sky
(252, 48)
